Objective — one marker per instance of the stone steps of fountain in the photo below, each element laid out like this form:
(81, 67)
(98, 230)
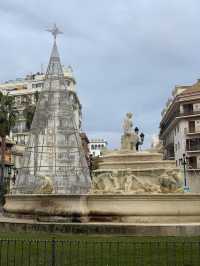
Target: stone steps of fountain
(137, 165)
(132, 156)
(137, 172)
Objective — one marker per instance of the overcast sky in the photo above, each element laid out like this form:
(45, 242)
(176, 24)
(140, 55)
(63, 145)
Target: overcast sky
(127, 55)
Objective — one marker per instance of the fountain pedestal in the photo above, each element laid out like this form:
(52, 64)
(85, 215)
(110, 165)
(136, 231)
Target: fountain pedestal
(72, 208)
(135, 209)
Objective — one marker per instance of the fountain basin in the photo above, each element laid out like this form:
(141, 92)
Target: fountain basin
(134, 208)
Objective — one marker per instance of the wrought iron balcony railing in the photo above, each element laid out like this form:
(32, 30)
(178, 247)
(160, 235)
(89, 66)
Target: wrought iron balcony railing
(188, 112)
(193, 148)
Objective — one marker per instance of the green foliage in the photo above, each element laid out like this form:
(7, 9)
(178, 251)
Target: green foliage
(7, 114)
(30, 110)
(36, 96)
(28, 114)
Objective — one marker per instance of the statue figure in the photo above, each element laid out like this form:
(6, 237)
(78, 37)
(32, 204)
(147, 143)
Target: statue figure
(128, 184)
(128, 124)
(130, 138)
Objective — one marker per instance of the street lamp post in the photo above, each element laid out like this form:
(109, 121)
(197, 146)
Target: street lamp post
(15, 173)
(184, 163)
(7, 180)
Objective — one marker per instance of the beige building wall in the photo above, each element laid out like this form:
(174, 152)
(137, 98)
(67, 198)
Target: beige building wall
(24, 89)
(180, 130)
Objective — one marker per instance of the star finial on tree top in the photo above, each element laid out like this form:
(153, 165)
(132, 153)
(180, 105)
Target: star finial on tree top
(55, 31)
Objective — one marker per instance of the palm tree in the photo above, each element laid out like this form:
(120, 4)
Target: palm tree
(7, 121)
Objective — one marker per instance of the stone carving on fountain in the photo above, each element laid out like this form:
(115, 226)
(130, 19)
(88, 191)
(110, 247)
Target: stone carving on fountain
(44, 185)
(171, 181)
(127, 171)
(119, 182)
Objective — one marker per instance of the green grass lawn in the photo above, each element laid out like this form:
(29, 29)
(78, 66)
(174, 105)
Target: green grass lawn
(25, 250)
(62, 236)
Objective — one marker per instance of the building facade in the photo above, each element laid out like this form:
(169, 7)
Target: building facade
(96, 146)
(180, 126)
(24, 92)
(8, 164)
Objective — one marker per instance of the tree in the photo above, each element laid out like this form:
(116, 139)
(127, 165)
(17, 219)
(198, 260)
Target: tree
(7, 121)
(30, 110)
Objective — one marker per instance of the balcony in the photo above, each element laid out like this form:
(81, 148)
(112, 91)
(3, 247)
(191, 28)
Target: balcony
(192, 129)
(178, 114)
(193, 148)
(20, 131)
(192, 132)
(188, 113)
(193, 145)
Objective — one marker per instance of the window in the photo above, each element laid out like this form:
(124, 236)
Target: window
(188, 108)
(191, 126)
(192, 162)
(37, 85)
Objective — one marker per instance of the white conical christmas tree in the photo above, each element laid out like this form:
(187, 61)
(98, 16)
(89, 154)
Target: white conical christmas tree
(54, 158)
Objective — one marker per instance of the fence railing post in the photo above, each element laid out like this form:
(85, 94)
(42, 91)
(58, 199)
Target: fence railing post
(53, 252)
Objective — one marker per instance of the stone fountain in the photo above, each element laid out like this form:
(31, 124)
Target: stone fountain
(128, 171)
(129, 186)
(133, 186)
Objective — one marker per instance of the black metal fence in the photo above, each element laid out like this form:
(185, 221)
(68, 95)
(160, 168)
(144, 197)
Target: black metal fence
(101, 253)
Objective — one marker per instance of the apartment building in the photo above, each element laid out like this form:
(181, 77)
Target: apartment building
(24, 91)
(180, 126)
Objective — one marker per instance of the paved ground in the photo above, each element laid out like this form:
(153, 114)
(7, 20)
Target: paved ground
(4, 219)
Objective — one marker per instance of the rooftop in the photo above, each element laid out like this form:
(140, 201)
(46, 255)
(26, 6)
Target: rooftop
(19, 83)
(98, 141)
(181, 91)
